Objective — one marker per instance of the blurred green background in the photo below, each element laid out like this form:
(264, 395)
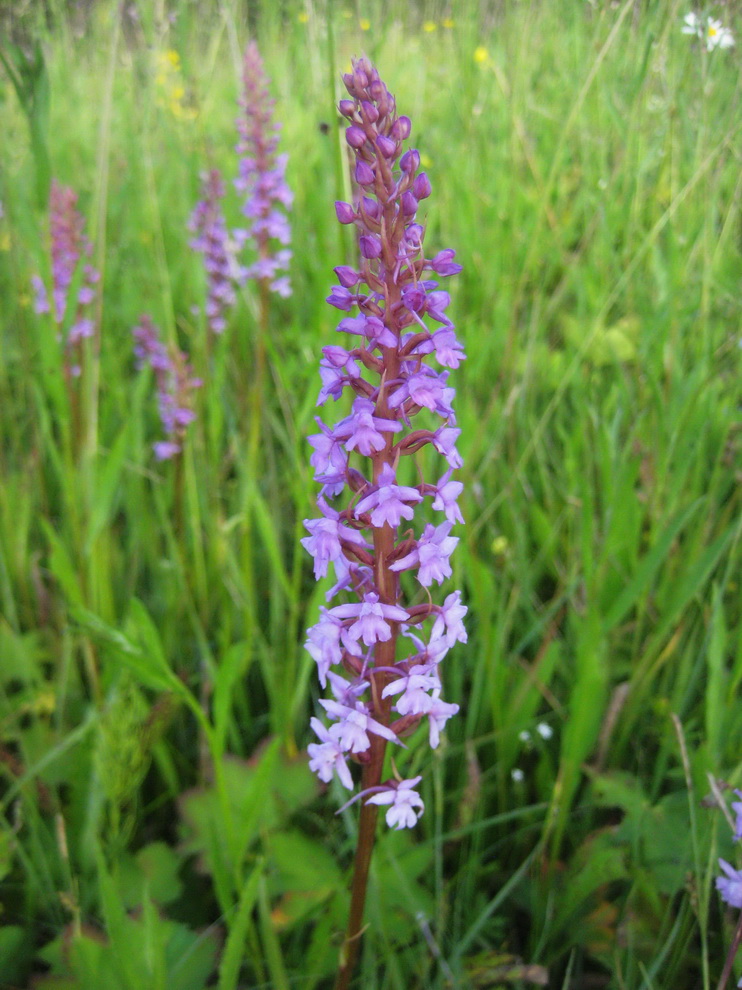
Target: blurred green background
(159, 827)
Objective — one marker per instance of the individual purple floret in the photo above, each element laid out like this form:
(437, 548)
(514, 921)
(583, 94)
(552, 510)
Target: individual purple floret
(737, 809)
(213, 242)
(71, 268)
(262, 180)
(403, 802)
(400, 350)
(175, 385)
(730, 886)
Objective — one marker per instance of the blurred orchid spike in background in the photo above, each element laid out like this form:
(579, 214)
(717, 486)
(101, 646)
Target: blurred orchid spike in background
(73, 291)
(213, 242)
(262, 180)
(380, 653)
(175, 386)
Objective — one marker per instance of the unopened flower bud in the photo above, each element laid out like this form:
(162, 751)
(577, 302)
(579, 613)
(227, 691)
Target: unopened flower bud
(347, 277)
(355, 136)
(386, 146)
(409, 204)
(364, 174)
(356, 480)
(372, 208)
(369, 113)
(401, 128)
(345, 212)
(410, 161)
(370, 246)
(421, 186)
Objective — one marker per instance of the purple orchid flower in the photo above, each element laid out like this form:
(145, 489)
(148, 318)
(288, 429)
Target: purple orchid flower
(397, 365)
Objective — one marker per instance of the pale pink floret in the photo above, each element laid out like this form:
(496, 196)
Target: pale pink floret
(430, 555)
(390, 502)
(448, 622)
(353, 726)
(326, 758)
(447, 492)
(372, 620)
(730, 886)
(404, 802)
(365, 430)
(413, 690)
(438, 714)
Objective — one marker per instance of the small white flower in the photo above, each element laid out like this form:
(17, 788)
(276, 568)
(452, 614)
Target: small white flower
(524, 736)
(692, 25)
(717, 36)
(517, 774)
(713, 33)
(544, 730)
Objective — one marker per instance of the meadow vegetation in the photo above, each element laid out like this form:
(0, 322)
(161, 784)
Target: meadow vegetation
(159, 827)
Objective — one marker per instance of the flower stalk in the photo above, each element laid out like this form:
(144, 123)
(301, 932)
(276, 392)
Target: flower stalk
(389, 642)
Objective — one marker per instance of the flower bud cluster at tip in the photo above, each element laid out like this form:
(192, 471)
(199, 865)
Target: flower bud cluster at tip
(730, 884)
(175, 386)
(400, 331)
(69, 248)
(262, 180)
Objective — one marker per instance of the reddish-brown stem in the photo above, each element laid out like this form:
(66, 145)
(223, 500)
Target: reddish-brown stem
(727, 971)
(366, 835)
(384, 656)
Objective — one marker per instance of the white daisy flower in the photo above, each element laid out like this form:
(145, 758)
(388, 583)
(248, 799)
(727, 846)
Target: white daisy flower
(717, 36)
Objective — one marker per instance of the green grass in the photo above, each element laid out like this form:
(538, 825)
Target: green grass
(158, 825)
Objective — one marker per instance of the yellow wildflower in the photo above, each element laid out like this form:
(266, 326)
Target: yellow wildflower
(500, 546)
(364, 24)
(430, 26)
(481, 55)
(447, 23)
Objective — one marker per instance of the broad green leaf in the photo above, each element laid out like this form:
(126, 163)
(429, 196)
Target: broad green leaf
(155, 868)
